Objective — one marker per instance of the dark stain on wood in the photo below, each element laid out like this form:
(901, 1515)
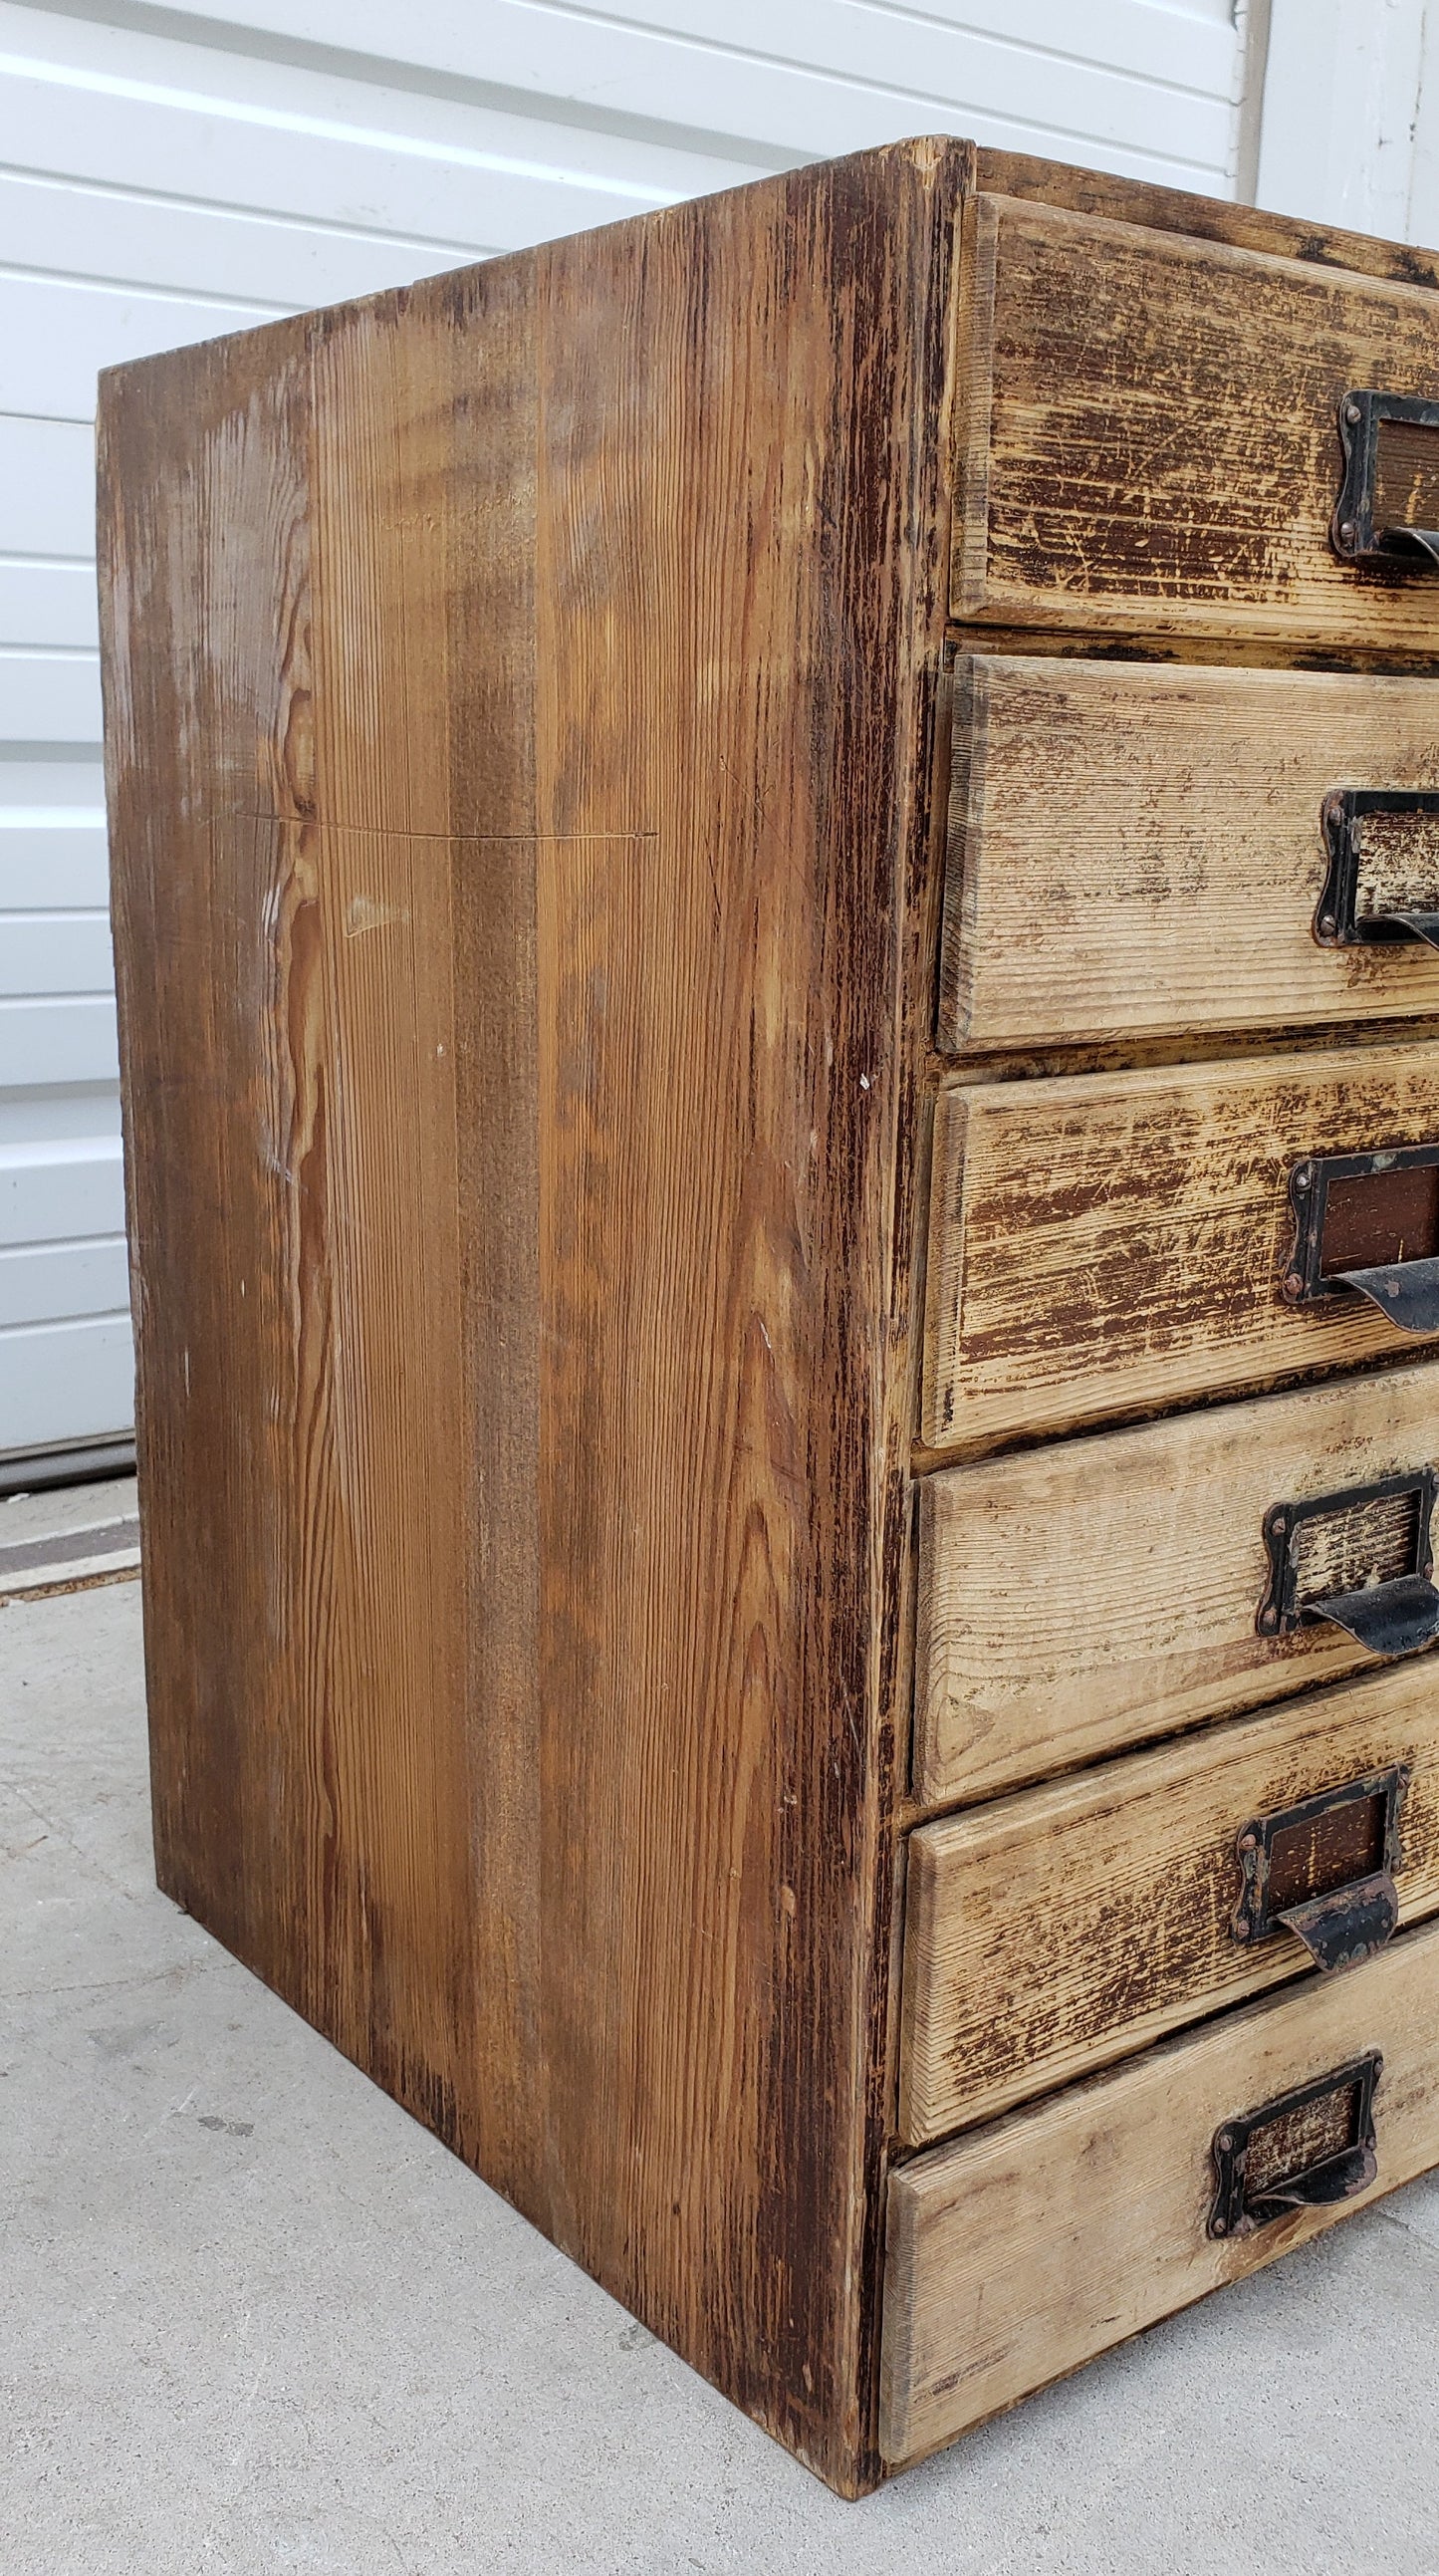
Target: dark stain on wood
(521, 1122)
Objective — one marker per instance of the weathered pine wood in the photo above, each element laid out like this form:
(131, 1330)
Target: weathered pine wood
(1050, 1933)
(1137, 849)
(1206, 219)
(518, 938)
(1150, 435)
(1112, 1243)
(1017, 2254)
(1077, 1598)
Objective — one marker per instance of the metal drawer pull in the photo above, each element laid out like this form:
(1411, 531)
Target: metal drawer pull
(1390, 483)
(1348, 914)
(1324, 1870)
(1305, 2150)
(1369, 1224)
(1362, 1560)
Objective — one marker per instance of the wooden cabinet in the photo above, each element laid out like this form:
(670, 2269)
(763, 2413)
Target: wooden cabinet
(776, 878)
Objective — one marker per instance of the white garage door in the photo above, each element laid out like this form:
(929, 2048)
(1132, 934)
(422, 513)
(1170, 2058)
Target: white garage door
(165, 176)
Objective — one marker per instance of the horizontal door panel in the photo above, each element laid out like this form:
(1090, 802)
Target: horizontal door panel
(47, 487)
(49, 697)
(50, 868)
(47, 1283)
(1113, 1243)
(62, 226)
(56, 953)
(1138, 849)
(51, 1188)
(1082, 1596)
(66, 1382)
(1050, 1933)
(1020, 2252)
(58, 1041)
(49, 604)
(1153, 436)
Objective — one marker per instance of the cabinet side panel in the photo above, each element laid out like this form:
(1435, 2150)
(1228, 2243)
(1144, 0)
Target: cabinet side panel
(570, 1417)
(740, 518)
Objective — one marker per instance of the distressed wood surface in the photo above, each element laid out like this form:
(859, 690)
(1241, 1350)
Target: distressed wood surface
(1214, 219)
(1150, 433)
(1019, 2253)
(1135, 850)
(1050, 1933)
(517, 934)
(1080, 1597)
(1113, 1243)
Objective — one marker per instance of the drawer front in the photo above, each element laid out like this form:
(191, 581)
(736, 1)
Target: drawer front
(1137, 850)
(1152, 436)
(1115, 1242)
(1020, 2252)
(1053, 1932)
(1078, 1598)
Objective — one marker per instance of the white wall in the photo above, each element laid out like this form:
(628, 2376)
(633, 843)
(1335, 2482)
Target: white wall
(1350, 85)
(167, 174)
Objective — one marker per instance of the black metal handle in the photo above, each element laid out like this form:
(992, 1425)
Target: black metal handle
(1306, 2150)
(1361, 531)
(1405, 1290)
(1324, 1869)
(1389, 1620)
(1338, 920)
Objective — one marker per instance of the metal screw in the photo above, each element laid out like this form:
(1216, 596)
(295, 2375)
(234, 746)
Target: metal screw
(1218, 2227)
(1294, 1284)
(1249, 1842)
(1241, 1929)
(1347, 533)
(1225, 2138)
(1327, 925)
(1351, 414)
(1301, 1177)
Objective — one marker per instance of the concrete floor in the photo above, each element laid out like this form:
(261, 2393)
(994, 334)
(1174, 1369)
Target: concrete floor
(253, 2319)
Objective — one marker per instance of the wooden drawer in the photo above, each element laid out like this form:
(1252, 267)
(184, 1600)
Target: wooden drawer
(1078, 1598)
(1053, 1932)
(1020, 2252)
(1137, 849)
(1111, 1243)
(1151, 435)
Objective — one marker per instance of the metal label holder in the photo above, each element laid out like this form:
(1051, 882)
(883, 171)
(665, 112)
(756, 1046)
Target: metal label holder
(1353, 534)
(1340, 1927)
(1240, 2210)
(1405, 1292)
(1337, 920)
(1390, 1619)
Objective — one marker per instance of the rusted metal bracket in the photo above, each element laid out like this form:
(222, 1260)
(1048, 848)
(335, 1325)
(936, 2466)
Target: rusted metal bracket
(1306, 2150)
(1338, 923)
(1353, 532)
(1388, 1619)
(1406, 1291)
(1286, 1858)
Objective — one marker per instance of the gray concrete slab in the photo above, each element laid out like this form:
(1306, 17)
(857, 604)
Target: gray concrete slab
(253, 2320)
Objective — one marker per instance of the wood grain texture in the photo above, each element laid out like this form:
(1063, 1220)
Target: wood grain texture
(1137, 849)
(1210, 219)
(1081, 1597)
(1113, 1243)
(1150, 433)
(518, 936)
(1019, 2253)
(1051, 1933)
